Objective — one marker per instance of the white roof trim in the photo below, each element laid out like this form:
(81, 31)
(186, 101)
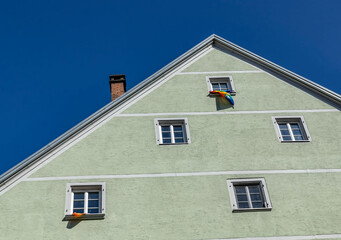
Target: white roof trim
(213, 40)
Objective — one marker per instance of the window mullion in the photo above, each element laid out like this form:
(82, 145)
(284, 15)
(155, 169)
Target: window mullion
(172, 133)
(86, 202)
(248, 196)
(290, 131)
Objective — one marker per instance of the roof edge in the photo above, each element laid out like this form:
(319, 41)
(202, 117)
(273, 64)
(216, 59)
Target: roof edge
(324, 92)
(32, 159)
(211, 40)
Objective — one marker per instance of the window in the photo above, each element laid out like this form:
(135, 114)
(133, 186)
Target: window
(248, 194)
(85, 199)
(220, 83)
(291, 129)
(172, 131)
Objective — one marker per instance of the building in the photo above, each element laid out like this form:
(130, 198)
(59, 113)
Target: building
(170, 160)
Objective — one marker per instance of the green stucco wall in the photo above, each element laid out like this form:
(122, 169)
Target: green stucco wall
(193, 207)
(219, 143)
(217, 60)
(255, 91)
(176, 208)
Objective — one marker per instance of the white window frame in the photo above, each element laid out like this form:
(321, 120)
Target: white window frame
(158, 122)
(291, 119)
(221, 79)
(231, 183)
(85, 187)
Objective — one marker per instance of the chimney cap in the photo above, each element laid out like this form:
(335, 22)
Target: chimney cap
(118, 78)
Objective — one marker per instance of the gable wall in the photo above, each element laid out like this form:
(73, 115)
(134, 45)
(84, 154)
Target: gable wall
(193, 207)
(255, 90)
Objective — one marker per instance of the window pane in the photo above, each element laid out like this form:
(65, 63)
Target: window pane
(299, 138)
(93, 195)
(78, 204)
(294, 126)
(93, 210)
(254, 189)
(257, 204)
(81, 210)
(256, 197)
(178, 134)
(242, 198)
(223, 87)
(243, 205)
(215, 86)
(286, 138)
(177, 128)
(165, 128)
(179, 140)
(283, 126)
(166, 140)
(78, 195)
(240, 189)
(285, 133)
(297, 132)
(93, 203)
(166, 134)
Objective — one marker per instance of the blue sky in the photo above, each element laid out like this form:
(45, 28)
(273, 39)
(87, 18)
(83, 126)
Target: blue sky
(56, 56)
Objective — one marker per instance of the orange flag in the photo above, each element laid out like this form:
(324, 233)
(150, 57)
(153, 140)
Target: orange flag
(77, 215)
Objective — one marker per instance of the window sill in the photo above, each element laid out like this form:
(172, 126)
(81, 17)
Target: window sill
(289, 141)
(215, 94)
(173, 143)
(85, 216)
(251, 209)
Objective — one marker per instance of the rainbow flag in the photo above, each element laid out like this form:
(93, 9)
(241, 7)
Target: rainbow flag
(225, 95)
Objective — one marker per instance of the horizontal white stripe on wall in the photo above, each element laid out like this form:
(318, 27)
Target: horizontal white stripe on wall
(330, 236)
(223, 113)
(191, 174)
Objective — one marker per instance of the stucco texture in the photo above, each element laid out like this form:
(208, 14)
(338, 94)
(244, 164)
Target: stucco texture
(176, 208)
(127, 145)
(255, 91)
(218, 60)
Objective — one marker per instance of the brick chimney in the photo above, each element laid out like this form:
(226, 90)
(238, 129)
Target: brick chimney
(117, 85)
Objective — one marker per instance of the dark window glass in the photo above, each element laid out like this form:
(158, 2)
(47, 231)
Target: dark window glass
(240, 189)
(165, 128)
(166, 135)
(167, 140)
(257, 205)
(249, 194)
(78, 195)
(255, 197)
(78, 210)
(177, 128)
(223, 86)
(78, 204)
(215, 86)
(93, 203)
(93, 195)
(286, 138)
(93, 210)
(242, 198)
(243, 205)
(178, 134)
